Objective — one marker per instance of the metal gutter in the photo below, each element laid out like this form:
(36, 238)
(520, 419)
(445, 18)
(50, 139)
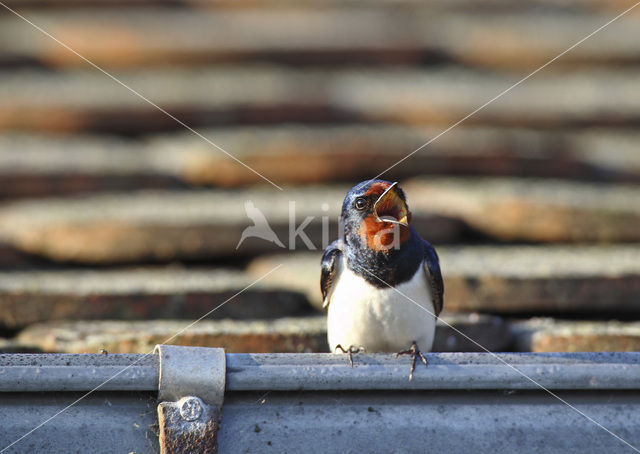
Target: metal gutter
(320, 371)
(327, 372)
(72, 372)
(461, 402)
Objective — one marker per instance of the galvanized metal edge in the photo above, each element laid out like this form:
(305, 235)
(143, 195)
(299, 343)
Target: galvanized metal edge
(78, 372)
(191, 371)
(315, 372)
(577, 371)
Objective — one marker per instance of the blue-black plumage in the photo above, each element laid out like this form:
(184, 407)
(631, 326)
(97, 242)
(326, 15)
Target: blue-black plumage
(381, 282)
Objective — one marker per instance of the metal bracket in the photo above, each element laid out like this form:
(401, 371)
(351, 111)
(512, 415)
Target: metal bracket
(191, 394)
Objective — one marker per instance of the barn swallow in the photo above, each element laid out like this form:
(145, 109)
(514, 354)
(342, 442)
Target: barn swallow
(371, 275)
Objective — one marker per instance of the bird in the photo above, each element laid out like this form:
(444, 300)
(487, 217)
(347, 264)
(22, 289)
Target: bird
(381, 282)
(260, 229)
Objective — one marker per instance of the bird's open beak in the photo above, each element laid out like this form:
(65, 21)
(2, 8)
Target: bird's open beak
(390, 207)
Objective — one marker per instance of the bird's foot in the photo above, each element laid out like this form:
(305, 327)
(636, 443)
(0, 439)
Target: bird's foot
(415, 352)
(351, 350)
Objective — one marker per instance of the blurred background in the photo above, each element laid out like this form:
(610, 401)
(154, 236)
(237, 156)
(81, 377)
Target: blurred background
(119, 226)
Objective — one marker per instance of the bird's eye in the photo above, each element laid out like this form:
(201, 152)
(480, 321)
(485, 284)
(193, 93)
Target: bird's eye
(361, 203)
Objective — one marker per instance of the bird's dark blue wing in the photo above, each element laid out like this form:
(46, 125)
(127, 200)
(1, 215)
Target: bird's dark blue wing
(331, 267)
(434, 276)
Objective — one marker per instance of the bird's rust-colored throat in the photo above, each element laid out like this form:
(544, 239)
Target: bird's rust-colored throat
(388, 226)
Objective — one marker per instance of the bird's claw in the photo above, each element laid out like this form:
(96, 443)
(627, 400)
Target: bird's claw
(351, 350)
(415, 352)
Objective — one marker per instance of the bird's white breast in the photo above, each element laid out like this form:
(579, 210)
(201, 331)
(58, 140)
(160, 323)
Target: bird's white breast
(380, 319)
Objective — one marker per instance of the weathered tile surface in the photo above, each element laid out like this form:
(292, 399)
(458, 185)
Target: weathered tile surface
(31, 297)
(319, 153)
(45, 165)
(548, 335)
(204, 224)
(276, 336)
(534, 210)
(564, 5)
(282, 335)
(375, 32)
(75, 100)
(324, 94)
(506, 279)
(164, 226)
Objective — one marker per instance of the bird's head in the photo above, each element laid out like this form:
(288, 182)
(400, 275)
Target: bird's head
(375, 215)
